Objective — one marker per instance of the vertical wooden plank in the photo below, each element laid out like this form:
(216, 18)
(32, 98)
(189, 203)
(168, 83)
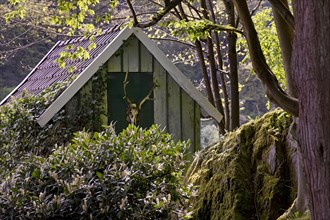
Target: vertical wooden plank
(145, 59)
(160, 96)
(114, 63)
(188, 122)
(197, 127)
(174, 108)
(131, 55)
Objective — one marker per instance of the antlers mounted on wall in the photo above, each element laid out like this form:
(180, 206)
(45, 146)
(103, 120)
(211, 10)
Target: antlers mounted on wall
(133, 109)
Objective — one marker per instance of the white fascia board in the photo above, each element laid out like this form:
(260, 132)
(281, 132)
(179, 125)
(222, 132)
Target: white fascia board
(84, 76)
(177, 75)
(32, 71)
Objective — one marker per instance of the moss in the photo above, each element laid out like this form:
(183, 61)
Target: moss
(244, 176)
(293, 214)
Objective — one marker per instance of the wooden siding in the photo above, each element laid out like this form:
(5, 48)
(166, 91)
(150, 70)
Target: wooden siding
(174, 110)
(114, 63)
(160, 96)
(131, 55)
(117, 44)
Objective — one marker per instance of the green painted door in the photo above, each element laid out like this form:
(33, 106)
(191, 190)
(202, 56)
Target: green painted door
(137, 89)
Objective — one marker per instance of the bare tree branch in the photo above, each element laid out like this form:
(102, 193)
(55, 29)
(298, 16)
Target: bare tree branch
(160, 14)
(136, 22)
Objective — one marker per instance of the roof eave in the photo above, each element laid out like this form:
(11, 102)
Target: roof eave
(84, 76)
(178, 76)
(111, 49)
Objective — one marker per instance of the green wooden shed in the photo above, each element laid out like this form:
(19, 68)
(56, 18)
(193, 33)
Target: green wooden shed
(133, 67)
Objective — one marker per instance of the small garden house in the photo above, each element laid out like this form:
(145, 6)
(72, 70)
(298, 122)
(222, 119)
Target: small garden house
(139, 85)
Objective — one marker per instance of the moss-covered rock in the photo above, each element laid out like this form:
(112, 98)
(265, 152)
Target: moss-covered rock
(247, 175)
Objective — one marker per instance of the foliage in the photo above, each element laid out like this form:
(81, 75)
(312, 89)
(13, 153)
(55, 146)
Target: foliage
(19, 130)
(247, 174)
(265, 26)
(253, 99)
(195, 30)
(136, 174)
(4, 91)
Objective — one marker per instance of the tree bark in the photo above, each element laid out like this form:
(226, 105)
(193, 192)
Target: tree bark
(311, 58)
(214, 83)
(232, 56)
(204, 72)
(285, 32)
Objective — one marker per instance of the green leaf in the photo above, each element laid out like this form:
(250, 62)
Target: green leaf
(99, 175)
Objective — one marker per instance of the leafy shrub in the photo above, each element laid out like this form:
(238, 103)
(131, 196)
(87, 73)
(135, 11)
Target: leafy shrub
(136, 174)
(20, 133)
(19, 130)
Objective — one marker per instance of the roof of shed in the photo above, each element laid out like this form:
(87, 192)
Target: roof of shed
(47, 72)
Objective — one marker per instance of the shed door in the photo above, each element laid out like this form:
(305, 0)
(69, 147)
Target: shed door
(138, 87)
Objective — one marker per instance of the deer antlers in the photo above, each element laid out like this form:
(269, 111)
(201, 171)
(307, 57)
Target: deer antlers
(133, 110)
(125, 93)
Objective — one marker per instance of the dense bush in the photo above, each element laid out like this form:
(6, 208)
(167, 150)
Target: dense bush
(136, 174)
(19, 131)
(45, 174)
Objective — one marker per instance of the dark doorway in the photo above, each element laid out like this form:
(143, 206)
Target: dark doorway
(137, 89)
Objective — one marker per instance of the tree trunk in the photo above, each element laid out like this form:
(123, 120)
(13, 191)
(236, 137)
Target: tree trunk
(311, 58)
(223, 82)
(204, 71)
(213, 70)
(232, 56)
(215, 36)
(285, 32)
(214, 83)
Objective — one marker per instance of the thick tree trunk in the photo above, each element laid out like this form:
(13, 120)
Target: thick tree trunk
(285, 31)
(311, 59)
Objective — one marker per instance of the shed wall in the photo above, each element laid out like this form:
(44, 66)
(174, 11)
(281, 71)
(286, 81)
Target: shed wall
(174, 109)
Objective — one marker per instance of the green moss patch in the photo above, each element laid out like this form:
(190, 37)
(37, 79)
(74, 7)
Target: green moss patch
(247, 174)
